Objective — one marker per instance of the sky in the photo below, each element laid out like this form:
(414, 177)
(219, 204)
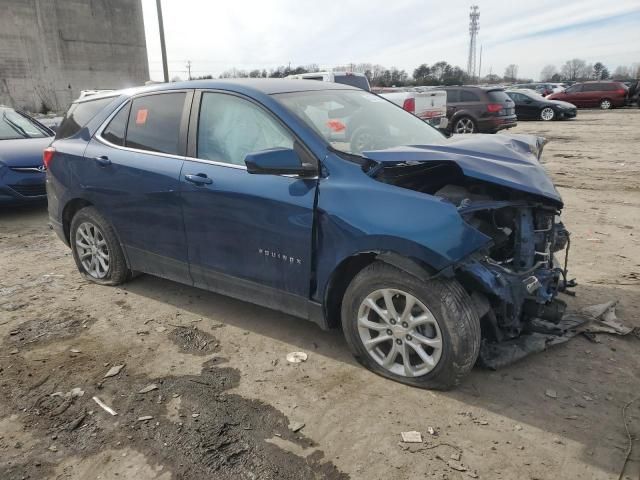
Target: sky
(248, 34)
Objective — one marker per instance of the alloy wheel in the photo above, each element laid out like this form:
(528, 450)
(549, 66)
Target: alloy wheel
(92, 250)
(464, 125)
(399, 332)
(547, 114)
(605, 104)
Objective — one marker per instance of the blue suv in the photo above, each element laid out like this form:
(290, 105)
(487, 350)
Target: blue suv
(319, 200)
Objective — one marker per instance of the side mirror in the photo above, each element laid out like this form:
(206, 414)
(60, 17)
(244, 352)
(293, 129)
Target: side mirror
(278, 161)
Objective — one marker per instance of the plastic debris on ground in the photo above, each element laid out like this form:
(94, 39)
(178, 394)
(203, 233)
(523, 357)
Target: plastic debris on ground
(590, 320)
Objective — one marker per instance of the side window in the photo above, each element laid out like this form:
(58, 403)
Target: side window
(154, 122)
(79, 115)
(115, 131)
(467, 96)
(590, 87)
(229, 128)
(453, 96)
(608, 87)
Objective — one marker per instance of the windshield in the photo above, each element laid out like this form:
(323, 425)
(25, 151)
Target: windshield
(355, 121)
(14, 125)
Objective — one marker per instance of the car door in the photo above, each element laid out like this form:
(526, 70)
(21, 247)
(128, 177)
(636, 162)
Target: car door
(575, 95)
(528, 106)
(249, 235)
(588, 95)
(131, 173)
(519, 99)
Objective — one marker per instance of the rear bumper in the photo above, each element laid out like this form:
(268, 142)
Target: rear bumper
(493, 124)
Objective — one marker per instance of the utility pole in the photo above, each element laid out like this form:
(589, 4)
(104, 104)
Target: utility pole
(480, 66)
(189, 68)
(163, 48)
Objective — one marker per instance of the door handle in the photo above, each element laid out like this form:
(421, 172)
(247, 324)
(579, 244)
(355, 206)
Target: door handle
(103, 161)
(198, 179)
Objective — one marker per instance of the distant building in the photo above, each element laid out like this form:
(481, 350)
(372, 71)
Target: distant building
(51, 50)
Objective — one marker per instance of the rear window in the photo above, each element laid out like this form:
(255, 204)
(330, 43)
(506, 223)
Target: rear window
(115, 131)
(353, 81)
(610, 87)
(154, 122)
(468, 96)
(453, 96)
(498, 96)
(79, 115)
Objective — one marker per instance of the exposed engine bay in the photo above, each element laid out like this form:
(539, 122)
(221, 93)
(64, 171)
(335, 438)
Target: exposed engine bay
(514, 280)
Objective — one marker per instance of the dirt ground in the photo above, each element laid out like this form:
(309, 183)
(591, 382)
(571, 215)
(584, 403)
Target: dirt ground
(222, 401)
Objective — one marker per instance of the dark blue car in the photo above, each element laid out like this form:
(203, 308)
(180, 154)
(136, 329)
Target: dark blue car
(22, 172)
(319, 200)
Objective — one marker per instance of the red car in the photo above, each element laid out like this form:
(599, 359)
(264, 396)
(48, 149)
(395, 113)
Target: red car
(605, 95)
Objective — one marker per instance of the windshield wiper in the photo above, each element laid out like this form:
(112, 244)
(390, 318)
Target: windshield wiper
(15, 126)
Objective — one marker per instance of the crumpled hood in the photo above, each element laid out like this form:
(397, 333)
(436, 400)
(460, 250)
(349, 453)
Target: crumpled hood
(507, 160)
(23, 152)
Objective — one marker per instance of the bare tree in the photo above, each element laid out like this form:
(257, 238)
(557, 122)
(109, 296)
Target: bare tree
(548, 72)
(574, 69)
(511, 73)
(621, 72)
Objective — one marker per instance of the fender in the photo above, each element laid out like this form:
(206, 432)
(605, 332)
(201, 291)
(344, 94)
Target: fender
(357, 214)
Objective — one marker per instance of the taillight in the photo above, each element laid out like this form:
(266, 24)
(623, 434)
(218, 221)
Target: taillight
(47, 156)
(622, 91)
(409, 105)
(494, 107)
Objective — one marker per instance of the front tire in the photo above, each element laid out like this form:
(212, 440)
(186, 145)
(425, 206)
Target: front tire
(421, 333)
(96, 249)
(547, 114)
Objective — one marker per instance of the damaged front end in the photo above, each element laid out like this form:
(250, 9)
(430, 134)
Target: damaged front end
(516, 276)
(514, 279)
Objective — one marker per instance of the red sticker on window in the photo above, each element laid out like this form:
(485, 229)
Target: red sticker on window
(336, 125)
(141, 116)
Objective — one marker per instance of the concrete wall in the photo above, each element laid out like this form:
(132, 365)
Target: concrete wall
(50, 50)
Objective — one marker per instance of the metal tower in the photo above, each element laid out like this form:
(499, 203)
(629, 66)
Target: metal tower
(474, 26)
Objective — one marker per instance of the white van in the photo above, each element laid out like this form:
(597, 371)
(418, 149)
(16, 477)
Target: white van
(358, 80)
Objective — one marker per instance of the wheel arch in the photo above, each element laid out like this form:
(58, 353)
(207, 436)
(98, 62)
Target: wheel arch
(69, 211)
(348, 268)
(462, 114)
(74, 206)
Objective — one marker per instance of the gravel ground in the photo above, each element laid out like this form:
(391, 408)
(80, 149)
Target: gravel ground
(224, 402)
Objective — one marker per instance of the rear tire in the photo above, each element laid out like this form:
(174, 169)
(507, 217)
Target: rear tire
(440, 322)
(464, 125)
(96, 249)
(605, 104)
